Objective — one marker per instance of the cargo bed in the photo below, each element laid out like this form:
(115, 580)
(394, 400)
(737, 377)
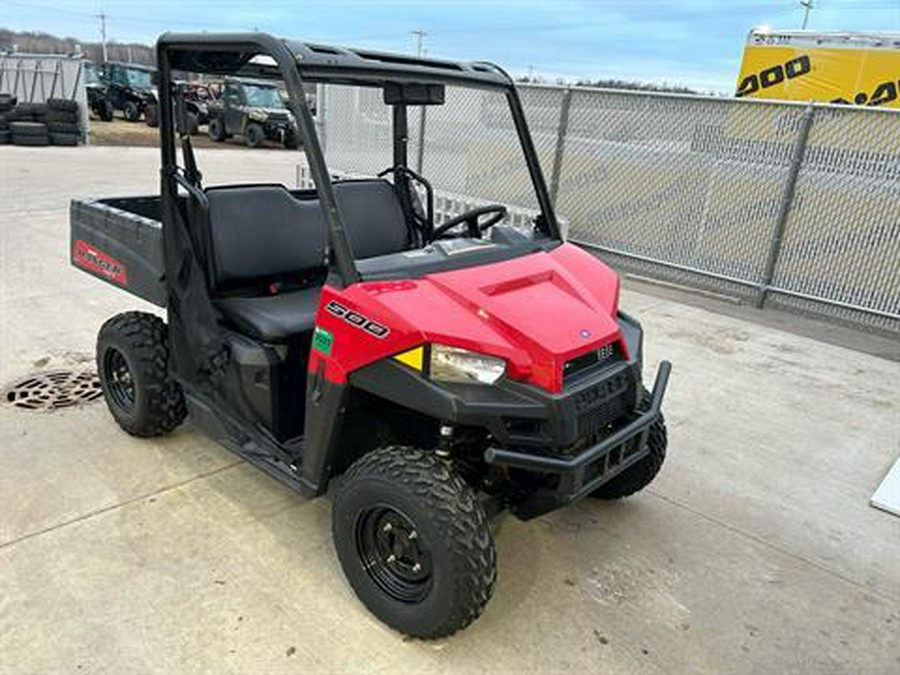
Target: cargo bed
(120, 241)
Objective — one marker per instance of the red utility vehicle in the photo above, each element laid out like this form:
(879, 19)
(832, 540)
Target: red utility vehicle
(441, 372)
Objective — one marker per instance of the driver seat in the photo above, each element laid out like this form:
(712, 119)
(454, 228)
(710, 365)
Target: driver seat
(262, 240)
(373, 217)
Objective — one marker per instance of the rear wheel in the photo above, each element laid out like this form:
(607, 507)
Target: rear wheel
(414, 542)
(132, 361)
(638, 476)
(254, 135)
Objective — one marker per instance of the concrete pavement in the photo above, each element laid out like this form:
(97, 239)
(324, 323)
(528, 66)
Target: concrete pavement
(755, 550)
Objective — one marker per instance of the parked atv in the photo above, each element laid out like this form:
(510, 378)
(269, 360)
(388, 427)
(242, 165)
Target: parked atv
(198, 98)
(129, 88)
(255, 110)
(97, 93)
(439, 372)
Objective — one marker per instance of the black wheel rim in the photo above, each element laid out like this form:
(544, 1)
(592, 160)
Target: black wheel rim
(393, 554)
(119, 380)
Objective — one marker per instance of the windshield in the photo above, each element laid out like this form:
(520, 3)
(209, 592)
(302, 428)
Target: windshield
(139, 79)
(90, 74)
(471, 154)
(261, 96)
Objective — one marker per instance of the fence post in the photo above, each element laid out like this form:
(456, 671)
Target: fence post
(787, 201)
(15, 90)
(420, 150)
(321, 112)
(56, 72)
(37, 74)
(561, 131)
(85, 113)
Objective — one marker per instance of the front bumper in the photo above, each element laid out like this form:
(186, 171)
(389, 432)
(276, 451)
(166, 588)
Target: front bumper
(581, 474)
(279, 130)
(559, 446)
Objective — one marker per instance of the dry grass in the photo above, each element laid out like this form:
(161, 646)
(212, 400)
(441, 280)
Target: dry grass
(121, 132)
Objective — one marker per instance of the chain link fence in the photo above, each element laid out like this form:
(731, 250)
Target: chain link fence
(779, 204)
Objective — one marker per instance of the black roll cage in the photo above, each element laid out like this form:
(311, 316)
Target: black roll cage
(263, 56)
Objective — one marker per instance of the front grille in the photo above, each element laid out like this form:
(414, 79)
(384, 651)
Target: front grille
(604, 403)
(593, 396)
(276, 120)
(597, 358)
(603, 415)
(595, 420)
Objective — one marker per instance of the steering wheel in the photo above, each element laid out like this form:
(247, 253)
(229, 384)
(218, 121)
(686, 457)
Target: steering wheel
(409, 198)
(471, 219)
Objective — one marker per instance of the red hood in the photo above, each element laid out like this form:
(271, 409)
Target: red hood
(537, 312)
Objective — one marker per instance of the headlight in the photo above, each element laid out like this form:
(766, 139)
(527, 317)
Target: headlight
(451, 364)
(257, 115)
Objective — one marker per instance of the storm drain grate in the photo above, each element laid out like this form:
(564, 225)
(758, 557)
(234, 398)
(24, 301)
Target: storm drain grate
(53, 390)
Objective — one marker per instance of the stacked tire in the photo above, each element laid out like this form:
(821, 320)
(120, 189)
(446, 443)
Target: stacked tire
(62, 121)
(7, 103)
(32, 134)
(27, 124)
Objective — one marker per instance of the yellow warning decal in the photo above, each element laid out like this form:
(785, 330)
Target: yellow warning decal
(414, 358)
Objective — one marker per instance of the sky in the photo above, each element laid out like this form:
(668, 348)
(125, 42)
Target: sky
(694, 43)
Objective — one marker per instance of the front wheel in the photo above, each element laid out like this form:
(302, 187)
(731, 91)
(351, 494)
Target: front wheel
(414, 542)
(638, 476)
(254, 135)
(132, 362)
(132, 111)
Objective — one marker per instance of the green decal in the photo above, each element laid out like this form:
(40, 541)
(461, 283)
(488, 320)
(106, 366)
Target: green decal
(322, 340)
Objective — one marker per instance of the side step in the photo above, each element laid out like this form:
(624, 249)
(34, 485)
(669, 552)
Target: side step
(274, 467)
(252, 446)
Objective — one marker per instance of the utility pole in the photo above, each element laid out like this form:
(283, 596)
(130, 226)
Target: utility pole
(102, 18)
(420, 37)
(531, 73)
(808, 5)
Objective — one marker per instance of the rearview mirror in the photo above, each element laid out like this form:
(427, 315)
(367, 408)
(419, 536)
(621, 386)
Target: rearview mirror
(414, 93)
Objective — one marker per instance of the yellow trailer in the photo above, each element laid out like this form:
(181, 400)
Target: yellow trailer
(849, 68)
